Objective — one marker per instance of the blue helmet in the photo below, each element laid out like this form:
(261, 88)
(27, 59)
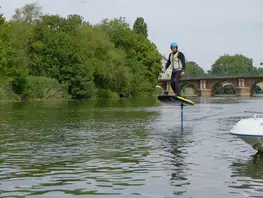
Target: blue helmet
(173, 45)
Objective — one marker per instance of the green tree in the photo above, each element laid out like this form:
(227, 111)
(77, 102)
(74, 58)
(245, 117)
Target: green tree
(77, 20)
(219, 89)
(108, 63)
(2, 18)
(30, 13)
(258, 70)
(193, 69)
(232, 65)
(222, 88)
(55, 53)
(229, 89)
(78, 56)
(257, 89)
(13, 60)
(140, 27)
(143, 58)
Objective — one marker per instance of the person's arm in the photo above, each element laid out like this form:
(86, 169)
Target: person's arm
(182, 58)
(168, 62)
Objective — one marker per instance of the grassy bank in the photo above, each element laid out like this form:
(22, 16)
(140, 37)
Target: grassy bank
(35, 88)
(6, 93)
(43, 88)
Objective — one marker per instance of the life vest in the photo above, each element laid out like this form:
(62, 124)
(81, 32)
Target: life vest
(175, 61)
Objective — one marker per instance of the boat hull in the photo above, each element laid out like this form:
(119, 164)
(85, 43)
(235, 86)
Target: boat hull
(250, 131)
(255, 142)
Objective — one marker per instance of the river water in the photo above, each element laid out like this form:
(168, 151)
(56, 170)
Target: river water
(127, 148)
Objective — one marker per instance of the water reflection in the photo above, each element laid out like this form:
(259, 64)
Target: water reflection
(252, 168)
(126, 148)
(174, 144)
(179, 169)
(72, 148)
(249, 175)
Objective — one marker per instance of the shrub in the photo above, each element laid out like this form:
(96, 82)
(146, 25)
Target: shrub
(43, 88)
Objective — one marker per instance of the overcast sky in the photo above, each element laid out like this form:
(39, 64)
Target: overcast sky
(204, 29)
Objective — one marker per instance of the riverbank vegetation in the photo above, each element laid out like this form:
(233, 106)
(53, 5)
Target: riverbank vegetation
(51, 57)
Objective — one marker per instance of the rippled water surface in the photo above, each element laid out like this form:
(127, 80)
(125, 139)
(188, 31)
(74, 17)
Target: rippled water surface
(127, 148)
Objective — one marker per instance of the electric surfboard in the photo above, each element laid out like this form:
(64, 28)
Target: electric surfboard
(174, 99)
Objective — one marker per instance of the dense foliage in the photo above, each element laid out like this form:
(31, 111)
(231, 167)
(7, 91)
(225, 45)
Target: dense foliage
(104, 60)
(227, 65)
(193, 69)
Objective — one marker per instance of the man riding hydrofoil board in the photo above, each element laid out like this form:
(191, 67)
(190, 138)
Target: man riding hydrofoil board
(177, 60)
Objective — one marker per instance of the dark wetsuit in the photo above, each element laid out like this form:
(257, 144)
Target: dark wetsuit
(176, 73)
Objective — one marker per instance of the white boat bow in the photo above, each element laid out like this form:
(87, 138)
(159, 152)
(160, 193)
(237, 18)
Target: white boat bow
(250, 130)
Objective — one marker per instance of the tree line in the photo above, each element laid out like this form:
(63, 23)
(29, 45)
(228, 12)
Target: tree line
(226, 65)
(48, 56)
(52, 57)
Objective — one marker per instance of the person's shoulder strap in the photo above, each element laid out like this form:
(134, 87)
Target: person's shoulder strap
(170, 55)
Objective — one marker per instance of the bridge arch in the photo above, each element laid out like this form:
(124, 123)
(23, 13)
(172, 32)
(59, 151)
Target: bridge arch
(257, 88)
(159, 90)
(223, 87)
(188, 89)
(161, 86)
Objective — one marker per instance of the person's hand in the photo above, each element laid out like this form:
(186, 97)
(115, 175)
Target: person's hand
(182, 74)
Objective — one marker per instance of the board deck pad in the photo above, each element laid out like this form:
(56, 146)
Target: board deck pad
(174, 99)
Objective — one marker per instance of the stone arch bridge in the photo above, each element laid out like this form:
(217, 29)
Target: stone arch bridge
(243, 85)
